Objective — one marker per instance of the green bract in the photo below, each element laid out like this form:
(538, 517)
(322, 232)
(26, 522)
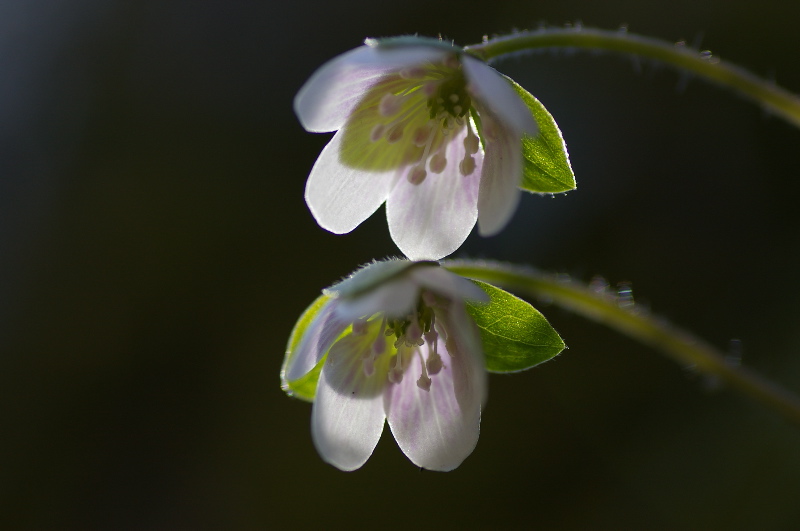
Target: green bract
(545, 158)
(515, 336)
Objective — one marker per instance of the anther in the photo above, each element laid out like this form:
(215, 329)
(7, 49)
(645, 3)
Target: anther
(390, 104)
(454, 98)
(377, 132)
(396, 370)
(434, 363)
(438, 163)
(467, 166)
(417, 174)
(395, 134)
(471, 142)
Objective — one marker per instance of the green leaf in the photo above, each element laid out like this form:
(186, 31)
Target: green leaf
(515, 336)
(306, 387)
(546, 161)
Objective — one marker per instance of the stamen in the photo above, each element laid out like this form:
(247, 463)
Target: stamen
(377, 132)
(424, 381)
(454, 98)
(467, 166)
(422, 135)
(395, 134)
(471, 142)
(390, 104)
(438, 163)
(417, 174)
(396, 370)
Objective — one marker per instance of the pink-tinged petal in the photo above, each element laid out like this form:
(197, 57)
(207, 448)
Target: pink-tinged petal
(394, 298)
(430, 220)
(502, 174)
(493, 92)
(329, 96)
(318, 337)
(464, 343)
(452, 286)
(341, 197)
(347, 417)
(434, 428)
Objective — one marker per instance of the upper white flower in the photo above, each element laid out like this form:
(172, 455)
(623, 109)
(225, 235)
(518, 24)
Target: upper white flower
(400, 347)
(433, 132)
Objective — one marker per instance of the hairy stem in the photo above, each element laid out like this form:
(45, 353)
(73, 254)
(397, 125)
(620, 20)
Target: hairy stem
(776, 99)
(634, 322)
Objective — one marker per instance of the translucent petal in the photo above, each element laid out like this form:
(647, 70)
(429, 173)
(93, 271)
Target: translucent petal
(329, 96)
(394, 298)
(452, 286)
(434, 428)
(318, 337)
(340, 197)
(347, 416)
(501, 177)
(430, 220)
(492, 90)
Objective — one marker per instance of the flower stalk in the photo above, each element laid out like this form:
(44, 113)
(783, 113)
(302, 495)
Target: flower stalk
(701, 63)
(635, 322)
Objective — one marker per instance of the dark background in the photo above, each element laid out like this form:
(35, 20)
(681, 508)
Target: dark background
(155, 250)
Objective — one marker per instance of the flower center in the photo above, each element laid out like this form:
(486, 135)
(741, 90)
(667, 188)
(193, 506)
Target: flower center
(411, 333)
(421, 112)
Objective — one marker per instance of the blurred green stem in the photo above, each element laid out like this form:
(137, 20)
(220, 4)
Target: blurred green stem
(621, 314)
(702, 63)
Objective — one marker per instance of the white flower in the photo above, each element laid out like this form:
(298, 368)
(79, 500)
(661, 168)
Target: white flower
(433, 132)
(400, 347)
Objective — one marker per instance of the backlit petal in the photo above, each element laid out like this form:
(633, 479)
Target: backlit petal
(394, 298)
(496, 94)
(502, 175)
(340, 197)
(433, 428)
(319, 336)
(443, 282)
(329, 96)
(430, 220)
(347, 416)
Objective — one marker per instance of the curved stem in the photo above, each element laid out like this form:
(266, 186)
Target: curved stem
(774, 98)
(633, 321)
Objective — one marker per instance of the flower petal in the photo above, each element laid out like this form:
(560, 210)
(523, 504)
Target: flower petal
(443, 282)
(502, 174)
(394, 298)
(329, 96)
(492, 90)
(319, 336)
(341, 197)
(347, 417)
(430, 220)
(434, 428)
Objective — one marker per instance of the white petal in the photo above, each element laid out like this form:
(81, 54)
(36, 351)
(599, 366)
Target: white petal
(434, 428)
(394, 298)
(328, 97)
(495, 93)
(341, 197)
(347, 416)
(443, 282)
(465, 341)
(430, 220)
(501, 177)
(318, 337)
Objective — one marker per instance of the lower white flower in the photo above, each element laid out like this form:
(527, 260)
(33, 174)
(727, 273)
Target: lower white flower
(400, 347)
